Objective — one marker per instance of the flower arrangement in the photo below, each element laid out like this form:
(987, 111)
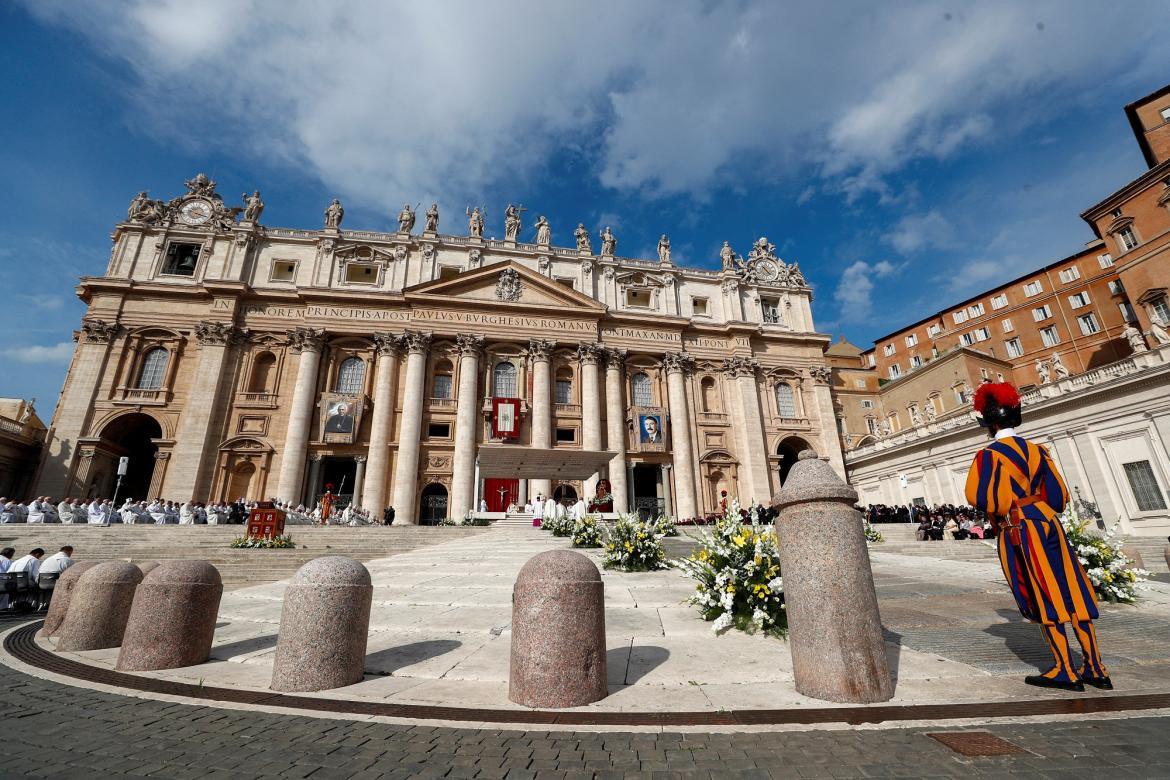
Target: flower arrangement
(632, 545)
(872, 534)
(737, 570)
(587, 533)
(260, 543)
(1109, 569)
(559, 526)
(665, 526)
(478, 521)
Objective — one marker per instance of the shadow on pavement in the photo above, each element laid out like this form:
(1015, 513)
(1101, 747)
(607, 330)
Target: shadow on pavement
(392, 659)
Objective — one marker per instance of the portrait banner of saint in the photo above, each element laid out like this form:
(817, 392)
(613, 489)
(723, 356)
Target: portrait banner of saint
(650, 428)
(341, 418)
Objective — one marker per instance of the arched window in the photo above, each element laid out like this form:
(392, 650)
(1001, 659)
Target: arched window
(640, 383)
(504, 380)
(709, 394)
(263, 373)
(153, 371)
(442, 383)
(350, 376)
(564, 386)
(785, 400)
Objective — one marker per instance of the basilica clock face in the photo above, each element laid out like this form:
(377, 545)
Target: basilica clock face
(767, 270)
(195, 212)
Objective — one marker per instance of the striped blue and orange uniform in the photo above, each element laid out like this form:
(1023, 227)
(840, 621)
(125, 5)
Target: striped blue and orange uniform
(1015, 482)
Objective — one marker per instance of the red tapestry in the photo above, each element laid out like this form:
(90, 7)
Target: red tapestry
(506, 418)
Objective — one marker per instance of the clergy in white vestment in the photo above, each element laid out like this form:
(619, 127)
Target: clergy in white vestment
(58, 561)
(21, 511)
(186, 515)
(171, 511)
(7, 512)
(30, 563)
(36, 511)
(5, 561)
(550, 508)
(579, 510)
(128, 513)
(65, 511)
(155, 510)
(538, 508)
(95, 514)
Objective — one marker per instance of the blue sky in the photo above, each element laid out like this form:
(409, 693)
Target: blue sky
(906, 154)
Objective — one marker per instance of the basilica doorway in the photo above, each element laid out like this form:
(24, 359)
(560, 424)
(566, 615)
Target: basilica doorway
(432, 505)
(340, 473)
(788, 450)
(647, 503)
(565, 494)
(241, 482)
(131, 436)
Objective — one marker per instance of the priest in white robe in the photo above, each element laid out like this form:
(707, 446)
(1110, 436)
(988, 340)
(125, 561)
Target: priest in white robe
(128, 513)
(579, 510)
(7, 511)
(550, 508)
(95, 513)
(36, 511)
(65, 511)
(186, 514)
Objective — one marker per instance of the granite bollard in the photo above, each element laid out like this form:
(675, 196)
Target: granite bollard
(99, 607)
(62, 595)
(323, 626)
(835, 630)
(1166, 553)
(172, 618)
(558, 632)
(147, 567)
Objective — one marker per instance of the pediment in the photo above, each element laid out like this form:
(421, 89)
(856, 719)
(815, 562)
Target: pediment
(497, 285)
(639, 279)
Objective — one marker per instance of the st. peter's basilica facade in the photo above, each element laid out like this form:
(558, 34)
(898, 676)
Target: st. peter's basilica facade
(430, 371)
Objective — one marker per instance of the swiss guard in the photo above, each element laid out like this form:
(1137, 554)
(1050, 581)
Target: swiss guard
(1016, 483)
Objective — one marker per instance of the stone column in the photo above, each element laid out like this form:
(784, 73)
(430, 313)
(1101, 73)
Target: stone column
(731, 297)
(754, 458)
(314, 480)
(406, 471)
(74, 408)
(159, 475)
(197, 439)
(590, 408)
(615, 419)
(466, 410)
(309, 342)
(827, 418)
(539, 352)
(359, 478)
(678, 365)
(389, 346)
(666, 492)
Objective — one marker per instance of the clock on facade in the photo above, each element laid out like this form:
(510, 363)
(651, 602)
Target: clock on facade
(767, 270)
(195, 212)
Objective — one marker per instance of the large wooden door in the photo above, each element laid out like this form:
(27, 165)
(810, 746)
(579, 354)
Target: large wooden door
(500, 492)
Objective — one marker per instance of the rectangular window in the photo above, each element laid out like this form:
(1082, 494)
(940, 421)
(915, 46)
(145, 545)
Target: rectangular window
(985, 374)
(283, 271)
(912, 339)
(871, 425)
(1127, 238)
(933, 330)
(699, 306)
(999, 301)
(871, 359)
(1161, 309)
(1050, 336)
(915, 361)
(982, 334)
(564, 391)
(1042, 312)
(361, 273)
(1088, 324)
(1116, 287)
(1070, 274)
(1014, 350)
(866, 403)
(442, 387)
(181, 259)
(638, 298)
(567, 282)
(960, 316)
(1144, 485)
(1127, 312)
(1033, 288)
(1165, 113)
(448, 271)
(771, 310)
(1079, 299)
(859, 384)
(438, 430)
(1105, 260)
(1007, 326)
(975, 310)
(895, 371)
(566, 435)
(968, 339)
(889, 349)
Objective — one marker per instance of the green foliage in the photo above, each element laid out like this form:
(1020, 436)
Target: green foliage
(737, 571)
(476, 521)
(872, 534)
(259, 543)
(632, 545)
(561, 526)
(587, 533)
(665, 526)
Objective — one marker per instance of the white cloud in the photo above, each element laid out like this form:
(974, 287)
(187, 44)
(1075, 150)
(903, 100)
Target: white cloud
(916, 232)
(854, 293)
(36, 354)
(393, 102)
(44, 301)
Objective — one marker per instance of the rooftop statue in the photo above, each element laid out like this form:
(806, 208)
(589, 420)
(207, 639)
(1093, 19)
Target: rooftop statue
(253, 206)
(432, 217)
(608, 242)
(406, 219)
(475, 222)
(582, 236)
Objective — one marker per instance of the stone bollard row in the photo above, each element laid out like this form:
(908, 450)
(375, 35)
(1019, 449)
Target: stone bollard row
(558, 632)
(172, 618)
(323, 626)
(835, 630)
(62, 595)
(99, 607)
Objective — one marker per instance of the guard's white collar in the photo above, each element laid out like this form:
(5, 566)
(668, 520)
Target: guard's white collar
(1004, 433)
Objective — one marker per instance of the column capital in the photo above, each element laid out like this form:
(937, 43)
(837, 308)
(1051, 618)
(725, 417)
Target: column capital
(615, 359)
(95, 331)
(388, 344)
(303, 339)
(316, 456)
(540, 349)
(416, 343)
(590, 352)
(218, 333)
(678, 362)
(822, 375)
(359, 458)
(740, 366)
(469, 345)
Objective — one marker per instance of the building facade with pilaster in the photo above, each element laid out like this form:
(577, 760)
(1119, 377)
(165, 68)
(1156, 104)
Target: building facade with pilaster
(227, 358)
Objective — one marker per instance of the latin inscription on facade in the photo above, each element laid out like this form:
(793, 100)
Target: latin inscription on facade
(502, 320)
(637, 334)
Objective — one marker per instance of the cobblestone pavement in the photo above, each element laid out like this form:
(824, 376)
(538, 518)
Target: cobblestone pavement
(56, 731)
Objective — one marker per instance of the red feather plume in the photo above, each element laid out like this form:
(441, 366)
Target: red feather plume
(1001, 393)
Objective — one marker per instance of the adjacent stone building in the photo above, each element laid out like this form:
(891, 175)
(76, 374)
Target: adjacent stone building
(21, 436)
(227, 358)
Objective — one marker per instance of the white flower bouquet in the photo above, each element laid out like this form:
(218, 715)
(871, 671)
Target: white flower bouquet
(587, 533)
(1112, 573)
(633, 545)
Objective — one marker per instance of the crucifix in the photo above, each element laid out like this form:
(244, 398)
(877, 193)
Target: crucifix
(503, 491)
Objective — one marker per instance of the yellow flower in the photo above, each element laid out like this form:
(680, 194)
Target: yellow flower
(731, 588)
(739, 540)
(758, 560)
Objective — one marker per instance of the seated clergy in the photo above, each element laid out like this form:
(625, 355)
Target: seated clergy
(65, 511)
(58, 561)
(30, 563)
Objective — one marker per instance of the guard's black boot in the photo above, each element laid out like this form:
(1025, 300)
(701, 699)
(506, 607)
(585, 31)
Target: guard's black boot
(1104, 683)
(1040, 681)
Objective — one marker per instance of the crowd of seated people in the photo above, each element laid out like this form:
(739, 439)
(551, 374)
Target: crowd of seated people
(935, 523)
